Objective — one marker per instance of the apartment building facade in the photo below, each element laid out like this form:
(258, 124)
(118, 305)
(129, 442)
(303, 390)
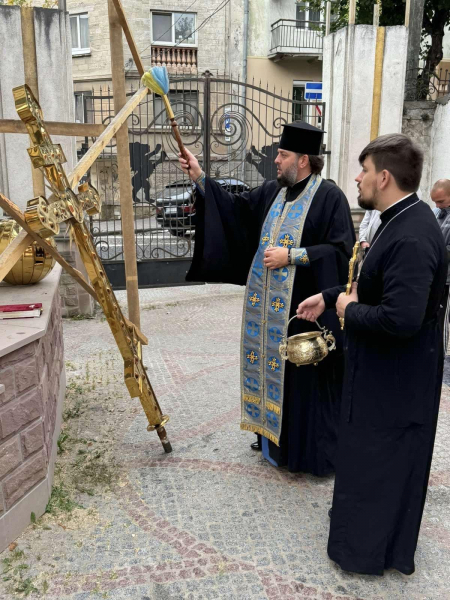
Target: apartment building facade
(281, 48)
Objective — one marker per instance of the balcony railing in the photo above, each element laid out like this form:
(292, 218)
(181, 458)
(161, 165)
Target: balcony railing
(297, 37)
(423, 84)
(174, 57)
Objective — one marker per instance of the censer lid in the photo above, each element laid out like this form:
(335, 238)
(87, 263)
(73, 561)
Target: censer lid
(309, 335)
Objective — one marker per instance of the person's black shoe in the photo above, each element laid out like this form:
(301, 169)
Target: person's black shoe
(256, 445)
(330, 511)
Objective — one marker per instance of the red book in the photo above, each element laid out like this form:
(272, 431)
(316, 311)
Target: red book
(20, 311)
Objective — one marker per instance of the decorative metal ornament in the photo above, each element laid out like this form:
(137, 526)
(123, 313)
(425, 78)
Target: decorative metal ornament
(44, 217)
(35, 262)
(307, 348)
(351, 273)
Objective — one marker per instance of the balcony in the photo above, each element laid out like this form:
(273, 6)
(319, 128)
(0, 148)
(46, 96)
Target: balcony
(176, 59)
(296, 38)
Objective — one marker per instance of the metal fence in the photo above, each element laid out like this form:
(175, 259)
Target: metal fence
(234, 130)
(424, 84)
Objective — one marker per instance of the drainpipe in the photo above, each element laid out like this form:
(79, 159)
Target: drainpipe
(245, 43)
(244, 70)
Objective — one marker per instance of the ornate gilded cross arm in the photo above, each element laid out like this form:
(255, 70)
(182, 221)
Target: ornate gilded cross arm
(351, 272)
(44, 219)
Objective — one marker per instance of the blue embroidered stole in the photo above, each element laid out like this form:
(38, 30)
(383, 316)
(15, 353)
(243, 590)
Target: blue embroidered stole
(266, 314)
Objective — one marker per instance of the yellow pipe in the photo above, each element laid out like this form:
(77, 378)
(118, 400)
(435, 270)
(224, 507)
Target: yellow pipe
(377, 80)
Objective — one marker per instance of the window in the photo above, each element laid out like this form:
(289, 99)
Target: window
(182, 103)
(306, 18)
(79, 31)
(170, 28)
(298, 93)
(311, 110)
(84, 107)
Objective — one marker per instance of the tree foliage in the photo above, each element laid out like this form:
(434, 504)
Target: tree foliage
(436, 20)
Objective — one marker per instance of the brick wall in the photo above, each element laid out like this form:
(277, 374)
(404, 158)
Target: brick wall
(29, 404)
(219, 40)
(74, 299)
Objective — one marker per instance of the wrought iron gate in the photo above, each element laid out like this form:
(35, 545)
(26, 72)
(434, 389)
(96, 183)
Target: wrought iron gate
(233, 128)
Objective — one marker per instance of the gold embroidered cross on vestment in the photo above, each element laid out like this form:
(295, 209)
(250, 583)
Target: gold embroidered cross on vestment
(277, 304)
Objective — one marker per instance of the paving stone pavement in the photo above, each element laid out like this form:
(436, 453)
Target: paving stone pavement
(212, 520)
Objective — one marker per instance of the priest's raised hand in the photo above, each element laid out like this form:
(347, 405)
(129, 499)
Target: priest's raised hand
(191, 168)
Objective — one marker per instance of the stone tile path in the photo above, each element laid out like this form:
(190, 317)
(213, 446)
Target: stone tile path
(212, 520)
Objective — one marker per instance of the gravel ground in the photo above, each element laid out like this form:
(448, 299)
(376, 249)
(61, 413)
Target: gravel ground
(212, 520)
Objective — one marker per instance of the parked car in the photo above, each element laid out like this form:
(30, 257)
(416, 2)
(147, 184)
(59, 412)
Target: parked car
(175, 208)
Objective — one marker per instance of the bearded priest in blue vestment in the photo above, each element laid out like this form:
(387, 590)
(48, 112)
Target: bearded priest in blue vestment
(285, 241)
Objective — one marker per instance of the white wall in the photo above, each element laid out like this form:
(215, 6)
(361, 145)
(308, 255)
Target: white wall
(440, 148)
(15, 181)
(348, 71)
(446, 45)
(54, 61)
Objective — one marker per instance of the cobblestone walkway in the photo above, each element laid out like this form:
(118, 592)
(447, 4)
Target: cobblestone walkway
(212, 520)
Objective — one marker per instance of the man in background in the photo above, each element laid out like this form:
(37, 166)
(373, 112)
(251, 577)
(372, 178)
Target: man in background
(440, 194)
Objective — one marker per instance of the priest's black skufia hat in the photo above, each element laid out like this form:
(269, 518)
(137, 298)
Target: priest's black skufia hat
(302, 138)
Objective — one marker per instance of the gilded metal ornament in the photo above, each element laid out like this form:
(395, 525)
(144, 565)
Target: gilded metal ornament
(44, 218)
(35, 263)
(351, 273)
(307, 348)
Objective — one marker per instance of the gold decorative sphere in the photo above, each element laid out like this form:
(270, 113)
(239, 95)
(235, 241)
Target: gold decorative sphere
(34, 264)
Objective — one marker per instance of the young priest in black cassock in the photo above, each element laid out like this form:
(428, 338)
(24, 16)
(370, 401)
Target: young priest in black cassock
(285, 240)
(394, 363)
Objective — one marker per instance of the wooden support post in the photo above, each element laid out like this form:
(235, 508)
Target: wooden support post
(352, 12)
(328, 18)
(123, 163)
(376, 15)
(407, 12)
(31, 79)
(129, 36)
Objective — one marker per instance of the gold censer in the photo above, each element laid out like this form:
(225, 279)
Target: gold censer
(307, 348)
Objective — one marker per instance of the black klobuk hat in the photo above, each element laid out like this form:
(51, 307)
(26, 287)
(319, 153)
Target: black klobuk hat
(302, 138)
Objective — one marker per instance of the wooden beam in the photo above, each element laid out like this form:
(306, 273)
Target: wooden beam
(14, 212)
(123, 164)
(328, 18)
(31, 79)
(407, 12)
(13, 252)
(352, 12)
(29, 236)
(55, 128)
(141, 337)
(376, 15)
(91, 155)
(129, 36)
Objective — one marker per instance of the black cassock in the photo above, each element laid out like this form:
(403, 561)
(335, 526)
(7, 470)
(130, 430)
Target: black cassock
(392, 384)
(228, 233)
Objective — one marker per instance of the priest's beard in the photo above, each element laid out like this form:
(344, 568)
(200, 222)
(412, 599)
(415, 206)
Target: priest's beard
(368, 202)
(289, 177)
